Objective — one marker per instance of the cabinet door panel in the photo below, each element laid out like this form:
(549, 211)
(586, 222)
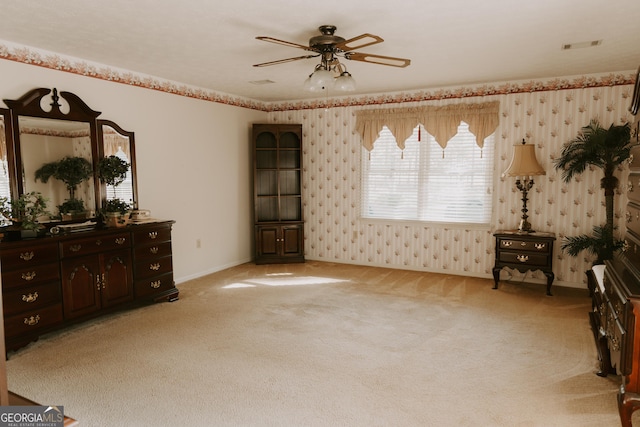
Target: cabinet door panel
(80, 286)
(117, 283)
(291, 244)
(267, 240)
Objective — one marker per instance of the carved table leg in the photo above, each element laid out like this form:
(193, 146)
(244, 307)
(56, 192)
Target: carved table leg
(496, 276)
(550, 277)
(627, 404)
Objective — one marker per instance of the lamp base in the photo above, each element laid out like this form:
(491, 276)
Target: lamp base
(525, 227)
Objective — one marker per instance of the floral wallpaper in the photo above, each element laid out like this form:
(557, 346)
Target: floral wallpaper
(545, 113)
(547, 118)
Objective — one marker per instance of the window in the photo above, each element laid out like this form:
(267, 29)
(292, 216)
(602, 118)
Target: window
(426, 183)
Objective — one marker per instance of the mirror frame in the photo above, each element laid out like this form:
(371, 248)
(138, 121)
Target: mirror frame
(5, 113)
(30, 104)
(132, 159)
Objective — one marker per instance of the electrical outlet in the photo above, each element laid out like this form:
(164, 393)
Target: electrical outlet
(198, 243)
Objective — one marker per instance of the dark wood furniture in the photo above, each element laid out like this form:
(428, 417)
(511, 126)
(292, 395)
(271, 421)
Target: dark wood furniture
(277, 183)
(524, 252)
(615, 312)
(53, 281)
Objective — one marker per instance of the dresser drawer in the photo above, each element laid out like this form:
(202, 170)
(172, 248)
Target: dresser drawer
(90, 245)
(153, 285)
(30, 276)
(153, 267)
(524, 258)
(152, 251)
(32, 321)
(24, 257)
(31, 298)
(151, 235)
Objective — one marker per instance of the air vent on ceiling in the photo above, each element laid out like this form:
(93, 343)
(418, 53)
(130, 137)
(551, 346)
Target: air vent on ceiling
(261, 82)
(581, 45)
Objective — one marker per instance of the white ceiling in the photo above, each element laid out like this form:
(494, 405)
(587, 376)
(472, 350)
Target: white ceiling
(212, 45)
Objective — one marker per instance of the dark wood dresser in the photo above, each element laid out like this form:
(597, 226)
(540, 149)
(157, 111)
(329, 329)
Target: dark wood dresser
(50, 282)
(524, 252)
(615, 313)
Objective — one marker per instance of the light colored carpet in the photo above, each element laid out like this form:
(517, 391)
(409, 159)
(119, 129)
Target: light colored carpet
(321, 344)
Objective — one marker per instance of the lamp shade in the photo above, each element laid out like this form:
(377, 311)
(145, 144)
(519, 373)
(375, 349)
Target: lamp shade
(524, 162)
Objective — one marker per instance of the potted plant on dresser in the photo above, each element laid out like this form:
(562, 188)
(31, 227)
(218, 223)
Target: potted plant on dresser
(606, 149)
(112, 170)
(72, 171)
(25, 213)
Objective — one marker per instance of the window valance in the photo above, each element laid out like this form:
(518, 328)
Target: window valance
(441, 122)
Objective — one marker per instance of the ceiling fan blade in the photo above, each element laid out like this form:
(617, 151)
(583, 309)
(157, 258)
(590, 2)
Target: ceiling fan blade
(359, 41)
(282, 61)
(378, 59)
(286, 43)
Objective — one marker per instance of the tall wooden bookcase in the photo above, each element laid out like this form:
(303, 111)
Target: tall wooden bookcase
(277, 193)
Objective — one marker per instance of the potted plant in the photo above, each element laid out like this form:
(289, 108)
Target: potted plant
(72, 209)
(606, 149)
(112, 170)
(71, 171)
(114, 211)
(25, 212)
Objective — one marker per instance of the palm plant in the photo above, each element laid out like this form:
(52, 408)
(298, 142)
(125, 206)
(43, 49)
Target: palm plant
(605, 149)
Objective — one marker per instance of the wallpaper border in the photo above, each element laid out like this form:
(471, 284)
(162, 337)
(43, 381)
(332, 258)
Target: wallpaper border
(41, 58)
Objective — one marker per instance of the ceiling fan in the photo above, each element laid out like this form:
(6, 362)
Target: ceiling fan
(329, 48)
(329, 45)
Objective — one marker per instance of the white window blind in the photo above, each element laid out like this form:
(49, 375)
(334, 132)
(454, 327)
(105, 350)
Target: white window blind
(426, 183)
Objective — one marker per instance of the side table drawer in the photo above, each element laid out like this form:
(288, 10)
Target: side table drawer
(524, 245)
(524, 258)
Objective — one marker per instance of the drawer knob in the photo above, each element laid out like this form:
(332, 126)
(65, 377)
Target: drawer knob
(154, 267)
(153, 234)
(154, 250)
(32, 321)
(540, 246)
(77, 247)
(507, 243)
(120, 240)
(29, 275)
(30, 298)
(523, 258)
(155, 284)
(27, 256)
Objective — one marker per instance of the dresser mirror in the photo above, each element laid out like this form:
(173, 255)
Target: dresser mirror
(120, 143)
(45, 129)
(5, 135)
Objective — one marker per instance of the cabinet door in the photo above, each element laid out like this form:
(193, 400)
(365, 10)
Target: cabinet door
(116, 281)
(81, 286)
(292, 240)
(267, 239)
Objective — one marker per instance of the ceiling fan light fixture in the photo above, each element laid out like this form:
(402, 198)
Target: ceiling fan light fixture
(319, 80)
(345, 82)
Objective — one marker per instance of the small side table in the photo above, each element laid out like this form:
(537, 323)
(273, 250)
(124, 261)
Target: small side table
(524, 252)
